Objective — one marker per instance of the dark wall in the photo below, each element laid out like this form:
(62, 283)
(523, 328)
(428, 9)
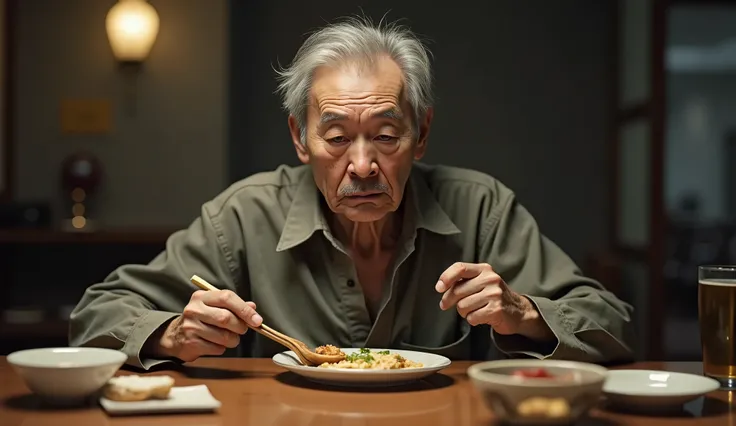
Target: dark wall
(523, 94)
(166, 122)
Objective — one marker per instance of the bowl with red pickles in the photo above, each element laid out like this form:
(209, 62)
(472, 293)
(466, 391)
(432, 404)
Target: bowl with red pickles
(532, 391)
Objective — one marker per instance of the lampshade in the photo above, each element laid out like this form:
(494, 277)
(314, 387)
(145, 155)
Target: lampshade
(132, 27)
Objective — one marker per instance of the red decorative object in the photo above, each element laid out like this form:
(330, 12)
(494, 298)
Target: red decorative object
(81, 174)
(81, 170)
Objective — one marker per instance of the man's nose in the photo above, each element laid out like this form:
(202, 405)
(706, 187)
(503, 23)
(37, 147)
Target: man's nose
(362, 160)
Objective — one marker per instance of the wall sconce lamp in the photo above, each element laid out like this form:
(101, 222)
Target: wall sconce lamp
(132, 27)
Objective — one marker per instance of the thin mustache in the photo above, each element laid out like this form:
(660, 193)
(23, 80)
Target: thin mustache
(357, 188)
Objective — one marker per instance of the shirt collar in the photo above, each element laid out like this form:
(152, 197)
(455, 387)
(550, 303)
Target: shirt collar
(305, 215)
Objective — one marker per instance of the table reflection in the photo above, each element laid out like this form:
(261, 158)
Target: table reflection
(178, 420)
(298, 402)
(723, 405)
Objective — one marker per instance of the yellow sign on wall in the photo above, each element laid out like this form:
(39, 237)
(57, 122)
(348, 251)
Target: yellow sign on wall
(84, 116)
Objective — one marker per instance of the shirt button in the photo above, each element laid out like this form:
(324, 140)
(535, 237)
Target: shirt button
(351, 283)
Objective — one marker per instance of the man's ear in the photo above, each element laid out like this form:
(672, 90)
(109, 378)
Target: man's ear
(296, 139)
(424, 127)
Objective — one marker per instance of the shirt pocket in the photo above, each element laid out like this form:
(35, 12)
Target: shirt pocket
(459, 349)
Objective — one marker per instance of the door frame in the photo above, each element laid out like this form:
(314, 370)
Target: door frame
(7, 90)
(653, 110)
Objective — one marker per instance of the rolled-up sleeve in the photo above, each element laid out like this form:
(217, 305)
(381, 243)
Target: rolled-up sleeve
(135, 301)
(589, 323)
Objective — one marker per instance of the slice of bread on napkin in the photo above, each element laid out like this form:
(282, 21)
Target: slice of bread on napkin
(138, 388)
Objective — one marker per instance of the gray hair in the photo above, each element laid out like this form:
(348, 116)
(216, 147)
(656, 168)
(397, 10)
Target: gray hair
(357, 39)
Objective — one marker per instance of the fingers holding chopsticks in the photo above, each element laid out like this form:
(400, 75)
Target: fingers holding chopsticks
(228, 300)
(211, 322)
(225, 309)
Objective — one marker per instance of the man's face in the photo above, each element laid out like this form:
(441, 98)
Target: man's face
(360, 139)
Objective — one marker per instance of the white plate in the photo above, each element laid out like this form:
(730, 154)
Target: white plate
(182, 399)
(346, 377)
(653, 389)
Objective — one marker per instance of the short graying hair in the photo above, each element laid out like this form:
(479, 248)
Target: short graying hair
(357, 39)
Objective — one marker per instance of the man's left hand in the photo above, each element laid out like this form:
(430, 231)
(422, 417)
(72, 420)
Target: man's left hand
(482, 297)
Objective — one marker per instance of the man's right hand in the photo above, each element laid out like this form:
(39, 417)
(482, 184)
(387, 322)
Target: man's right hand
(211, 322)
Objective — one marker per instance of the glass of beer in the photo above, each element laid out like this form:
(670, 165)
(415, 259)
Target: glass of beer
(717, 317)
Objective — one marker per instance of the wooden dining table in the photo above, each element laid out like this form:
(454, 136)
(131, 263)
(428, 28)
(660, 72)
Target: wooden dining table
(258, 392)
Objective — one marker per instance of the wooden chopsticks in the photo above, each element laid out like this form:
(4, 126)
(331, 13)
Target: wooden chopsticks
(294, 345)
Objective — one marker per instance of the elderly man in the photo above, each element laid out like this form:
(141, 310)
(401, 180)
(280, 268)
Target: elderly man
(360, 246)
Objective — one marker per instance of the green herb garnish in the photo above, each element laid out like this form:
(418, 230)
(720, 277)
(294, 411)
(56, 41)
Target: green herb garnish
(363, 354)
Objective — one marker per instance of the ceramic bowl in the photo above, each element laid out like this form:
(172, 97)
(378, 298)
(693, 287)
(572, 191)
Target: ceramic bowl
(653, 390)
(65, 376)
(573, 389)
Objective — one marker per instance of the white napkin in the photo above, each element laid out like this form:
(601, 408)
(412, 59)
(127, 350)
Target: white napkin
(183, 399)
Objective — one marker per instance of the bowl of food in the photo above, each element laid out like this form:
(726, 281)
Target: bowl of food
(66, 376)
(531, 391)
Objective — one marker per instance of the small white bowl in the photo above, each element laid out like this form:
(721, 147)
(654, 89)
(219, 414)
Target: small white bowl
(66, 376)
(653, 390)
(511, 398)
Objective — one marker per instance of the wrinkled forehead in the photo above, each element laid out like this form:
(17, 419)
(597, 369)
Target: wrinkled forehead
(359, 86)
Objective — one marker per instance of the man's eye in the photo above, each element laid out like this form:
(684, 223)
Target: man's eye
(385, 138)
(338, 139)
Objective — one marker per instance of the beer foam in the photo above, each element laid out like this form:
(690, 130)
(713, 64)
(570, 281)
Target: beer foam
(722, 282)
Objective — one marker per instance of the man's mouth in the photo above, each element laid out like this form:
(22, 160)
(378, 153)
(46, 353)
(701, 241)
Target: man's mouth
(364, 194)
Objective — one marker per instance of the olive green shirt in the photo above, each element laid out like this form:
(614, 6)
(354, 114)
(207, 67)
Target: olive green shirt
(267, 239)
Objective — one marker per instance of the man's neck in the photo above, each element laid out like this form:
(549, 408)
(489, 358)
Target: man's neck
(368, 239)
